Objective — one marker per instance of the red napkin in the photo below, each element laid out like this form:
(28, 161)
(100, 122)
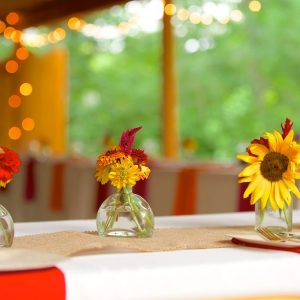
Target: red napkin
(57, 189)
(46, 284)
(30, 180)
(244, 204)
(102, 194)
(141, 188)
(186, 192)
(275, 246)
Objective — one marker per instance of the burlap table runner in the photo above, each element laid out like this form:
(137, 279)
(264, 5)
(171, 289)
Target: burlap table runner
(69, 243)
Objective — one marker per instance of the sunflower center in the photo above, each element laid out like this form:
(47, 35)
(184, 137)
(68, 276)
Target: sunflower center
(273, 166)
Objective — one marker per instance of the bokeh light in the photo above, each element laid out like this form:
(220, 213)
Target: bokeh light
(170, 9)
(14, 101)
(26, 89)
(183, 14)
(11, 66)
(2, 26)
(28, 124)
(8, 31)
(22, 53)
(255, 6)
(14, 133)
(12, 18)
(16, 36)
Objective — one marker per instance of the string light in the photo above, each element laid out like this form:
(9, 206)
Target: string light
(8, 31)
(14, 133)
(16, 36)
(236, 15)
(183, 14)
(170, 9)
(26, 89)
(14, 101)
(255, 6)
(12, 18)
(195, 18)
(28, 124)
(11, 66)
(2, 26)
(22, 53)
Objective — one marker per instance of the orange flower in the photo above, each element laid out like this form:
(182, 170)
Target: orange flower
(9, 165)
(123, 165)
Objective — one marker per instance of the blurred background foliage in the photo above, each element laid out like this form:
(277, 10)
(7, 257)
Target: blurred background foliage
(236, 78)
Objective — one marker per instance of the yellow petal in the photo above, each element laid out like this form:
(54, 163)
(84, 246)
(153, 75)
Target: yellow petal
(247, 179)
(283, 189)
(277, 195)
(266, 195)
(250, 170)
(247, 158)
(259, 150)
(288, 199)
(278, 137)
(291, 185)
(258, 192)
(272, 141)
(272, 199)
(289, 138)
(251, 187)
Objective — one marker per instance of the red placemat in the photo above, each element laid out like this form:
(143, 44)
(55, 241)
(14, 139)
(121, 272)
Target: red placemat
(46, 284)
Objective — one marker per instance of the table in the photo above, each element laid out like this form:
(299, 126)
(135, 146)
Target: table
(185, 274)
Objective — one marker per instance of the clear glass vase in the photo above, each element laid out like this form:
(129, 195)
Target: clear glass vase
(125, 214)
(278, 220)
(6, 228)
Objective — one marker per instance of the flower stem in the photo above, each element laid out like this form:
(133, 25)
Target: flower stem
(113, 214)
(286, 216)
(134, 210)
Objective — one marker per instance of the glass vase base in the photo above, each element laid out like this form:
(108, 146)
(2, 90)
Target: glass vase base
(6, 228)
(122, 233)
(125, 214)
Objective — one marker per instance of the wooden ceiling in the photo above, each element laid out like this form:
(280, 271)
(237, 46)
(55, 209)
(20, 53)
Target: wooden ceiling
(39, 12)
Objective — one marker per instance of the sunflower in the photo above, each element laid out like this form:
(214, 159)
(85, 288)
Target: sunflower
(272, 170)
(124, 173)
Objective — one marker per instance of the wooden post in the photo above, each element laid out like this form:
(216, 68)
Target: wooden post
(170, 130)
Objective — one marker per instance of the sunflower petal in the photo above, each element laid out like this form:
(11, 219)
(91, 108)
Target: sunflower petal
(251, 187)
(259, 150)
(272, 141)
(291, 185)
(250, 170)
(266, 195)
(246, 179)
(272, 199)
(247, 158)
(258, 192)
(277, 195)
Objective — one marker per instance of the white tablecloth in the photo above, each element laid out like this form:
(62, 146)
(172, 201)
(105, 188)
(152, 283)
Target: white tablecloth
(184, 274)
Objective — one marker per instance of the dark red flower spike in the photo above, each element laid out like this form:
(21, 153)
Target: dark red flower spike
(286, 127)
(127, 139)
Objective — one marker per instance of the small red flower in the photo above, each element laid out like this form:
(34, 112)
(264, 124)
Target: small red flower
(139, 156)
(9, 165)
(127, 139)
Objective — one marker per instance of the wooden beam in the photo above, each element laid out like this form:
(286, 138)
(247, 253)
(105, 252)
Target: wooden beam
(40, 12)
(169, 107)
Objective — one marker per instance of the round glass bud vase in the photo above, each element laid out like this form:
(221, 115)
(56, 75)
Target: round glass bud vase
(6, 228)
(278, 220)
(125, 214)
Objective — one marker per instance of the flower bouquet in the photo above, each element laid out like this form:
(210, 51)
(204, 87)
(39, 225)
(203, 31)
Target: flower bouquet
(274, 161)
(124, 213)
(9, 165)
